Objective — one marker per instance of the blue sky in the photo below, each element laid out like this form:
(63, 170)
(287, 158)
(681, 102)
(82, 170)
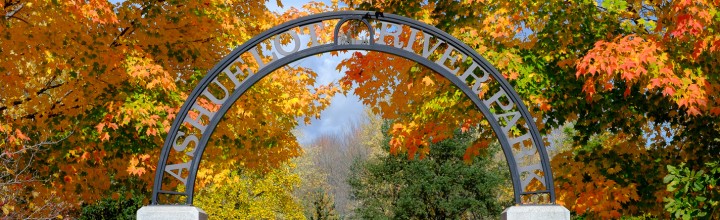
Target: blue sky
(343, 110)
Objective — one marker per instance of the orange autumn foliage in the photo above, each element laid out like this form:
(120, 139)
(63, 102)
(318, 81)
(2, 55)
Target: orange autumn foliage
(90, 88)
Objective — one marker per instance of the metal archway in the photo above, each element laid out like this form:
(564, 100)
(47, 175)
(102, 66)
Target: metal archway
(507, 115)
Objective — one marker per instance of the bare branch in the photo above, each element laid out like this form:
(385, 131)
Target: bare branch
(11, 14)
(17, 171)
(39, 92)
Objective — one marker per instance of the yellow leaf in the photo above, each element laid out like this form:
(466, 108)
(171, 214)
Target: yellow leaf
(428, 81)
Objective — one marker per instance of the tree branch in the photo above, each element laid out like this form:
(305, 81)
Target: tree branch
(11, 14)
(122, 33)
(143, 11)
(20, 173)
(39, 92)
(36, 146)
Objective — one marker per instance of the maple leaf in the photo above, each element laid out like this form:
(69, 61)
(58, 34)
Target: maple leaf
(668, 91)
(144, 157)
(100, 127)
(427, 81)
(513, 75)
(104, 136)
(20, 135)
(133, 169)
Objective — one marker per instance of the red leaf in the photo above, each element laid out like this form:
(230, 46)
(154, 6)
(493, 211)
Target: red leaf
(668, 91)
(627, 92)
(715, 45)
(715, 111)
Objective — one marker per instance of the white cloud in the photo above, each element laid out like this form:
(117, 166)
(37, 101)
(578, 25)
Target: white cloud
(343, 112)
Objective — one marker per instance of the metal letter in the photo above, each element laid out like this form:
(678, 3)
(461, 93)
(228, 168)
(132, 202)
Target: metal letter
(196, 123)
(258, 59)
(179, 167)
(212, 97)
(509, 123)
(411, 40)
(519, 139)
(446, 56)
(313, 34)
(426, 43)
(278, 44)
(238, 70)
(396, 35)
(342, 39)
(496, 98)
(524, 151)
(185, 143)
(478, 81)
(530, 170)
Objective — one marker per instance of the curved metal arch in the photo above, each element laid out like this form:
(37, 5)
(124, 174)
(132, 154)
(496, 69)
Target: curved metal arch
(344, 16)
(346, 19)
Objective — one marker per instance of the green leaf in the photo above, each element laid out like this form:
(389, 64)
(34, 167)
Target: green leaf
(614, 5)
(697, 186)
(671, 187)
(668, 178)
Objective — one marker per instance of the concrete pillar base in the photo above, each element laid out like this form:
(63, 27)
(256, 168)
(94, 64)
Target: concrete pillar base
(171, 212)
(536, 212)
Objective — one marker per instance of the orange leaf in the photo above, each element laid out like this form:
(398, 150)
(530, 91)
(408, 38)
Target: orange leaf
(105, 136)
(100, 126)
(715, 111)
(20, 135)
(428, 81)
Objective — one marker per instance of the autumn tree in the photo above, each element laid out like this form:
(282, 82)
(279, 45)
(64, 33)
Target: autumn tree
(102, 82)
(247, 194)
(637, 80)
(314, 191)
(90, 88)
(326, 166)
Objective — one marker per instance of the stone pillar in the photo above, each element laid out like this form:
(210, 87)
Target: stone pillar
(171, 212)
(536, 212)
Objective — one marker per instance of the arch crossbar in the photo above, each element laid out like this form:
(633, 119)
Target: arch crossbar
(523, 148)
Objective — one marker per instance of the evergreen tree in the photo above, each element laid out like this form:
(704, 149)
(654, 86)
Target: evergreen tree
(440, 186)
(112, 208)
